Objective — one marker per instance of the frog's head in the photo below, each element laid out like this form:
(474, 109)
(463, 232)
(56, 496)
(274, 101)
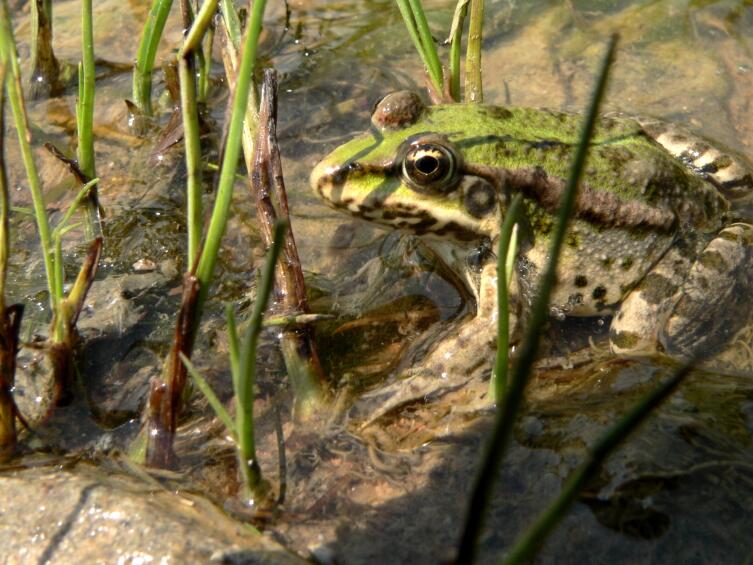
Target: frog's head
(408, 171)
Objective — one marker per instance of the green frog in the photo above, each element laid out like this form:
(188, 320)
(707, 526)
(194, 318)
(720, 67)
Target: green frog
(654, 242)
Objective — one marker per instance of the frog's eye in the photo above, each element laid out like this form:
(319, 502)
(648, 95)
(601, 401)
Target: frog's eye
(430, 167)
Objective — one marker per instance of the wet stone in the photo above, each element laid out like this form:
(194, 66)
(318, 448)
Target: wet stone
(89, 515)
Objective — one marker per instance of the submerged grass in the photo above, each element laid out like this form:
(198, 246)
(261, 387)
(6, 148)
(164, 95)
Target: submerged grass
(526, 546)
(231, 153)
(15, 96)
(7, 339)
(85, 116)
(166, 397)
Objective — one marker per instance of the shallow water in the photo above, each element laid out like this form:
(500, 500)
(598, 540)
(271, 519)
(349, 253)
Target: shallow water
(679, 489)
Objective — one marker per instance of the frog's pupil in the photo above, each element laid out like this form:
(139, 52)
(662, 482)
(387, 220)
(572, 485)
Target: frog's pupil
(427, 164)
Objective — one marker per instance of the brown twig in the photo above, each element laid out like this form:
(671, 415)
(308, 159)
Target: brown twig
(167, 390)
(298, 344)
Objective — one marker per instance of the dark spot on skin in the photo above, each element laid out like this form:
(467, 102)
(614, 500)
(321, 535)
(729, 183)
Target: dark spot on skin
(581, 281)
(460, 232)
(626, 262)
(599, 292)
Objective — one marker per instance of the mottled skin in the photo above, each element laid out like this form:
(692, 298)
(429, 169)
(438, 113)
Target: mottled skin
(651, 225)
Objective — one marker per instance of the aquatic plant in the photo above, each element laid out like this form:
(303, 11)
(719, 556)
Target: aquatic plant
(45, 76)
(147, 52)
(166, 399)
(447, 88)
(65, 309)
(10, 316)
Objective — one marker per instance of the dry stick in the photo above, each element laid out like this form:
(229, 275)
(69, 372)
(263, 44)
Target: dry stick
(164, 399)
(298, 344)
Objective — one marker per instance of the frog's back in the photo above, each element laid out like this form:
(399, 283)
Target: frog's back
(623, 162)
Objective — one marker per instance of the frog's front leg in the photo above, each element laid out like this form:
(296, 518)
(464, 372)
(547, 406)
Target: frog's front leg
(695, 315)
(466, 352)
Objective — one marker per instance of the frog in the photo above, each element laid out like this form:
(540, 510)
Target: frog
(654, 245)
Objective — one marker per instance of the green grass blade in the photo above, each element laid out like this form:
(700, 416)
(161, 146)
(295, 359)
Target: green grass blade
(232, 22)
(85, 106)
(211, 397)
(506, 415)
(504, 268)
(473, 87)
(192, 145)
(15, 95)
(221, 208)
(233, 345)
(4, 195)
(150, 38)
(418, 29)
(245, 391)
(201, 23)
(526, 546)
(456, 36)
(205, 64)
(435, 67)
(82, 195)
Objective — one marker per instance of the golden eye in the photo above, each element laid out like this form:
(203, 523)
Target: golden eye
(430, 167)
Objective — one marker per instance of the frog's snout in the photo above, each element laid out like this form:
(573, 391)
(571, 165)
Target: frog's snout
(325, 179)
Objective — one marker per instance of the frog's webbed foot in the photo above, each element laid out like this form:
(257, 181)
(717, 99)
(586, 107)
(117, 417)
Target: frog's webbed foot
(701, 315)
(447, 367)
(714, 305)
(457, 359)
